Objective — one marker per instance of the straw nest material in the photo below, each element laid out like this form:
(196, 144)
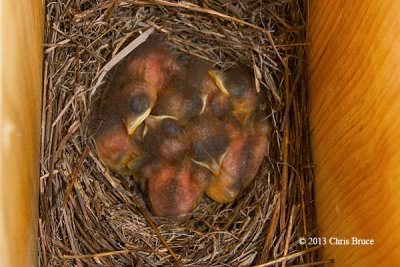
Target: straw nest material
(92, 216)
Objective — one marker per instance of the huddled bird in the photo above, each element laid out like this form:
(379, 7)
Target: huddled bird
(209, 141)
(181, 128)
(140, 78)
(118, 150)
(225, 186)
(166, 139)
(174, 190)
(258, 129)
(179, 99)
(239, 85)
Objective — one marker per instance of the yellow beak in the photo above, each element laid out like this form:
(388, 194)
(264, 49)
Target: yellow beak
(214, 167)
(218, 77)
(133, 123)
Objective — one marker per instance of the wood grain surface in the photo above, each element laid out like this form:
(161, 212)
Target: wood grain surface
(20, 104)
(354, 79)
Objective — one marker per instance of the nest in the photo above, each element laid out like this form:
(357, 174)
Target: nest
(92, 216)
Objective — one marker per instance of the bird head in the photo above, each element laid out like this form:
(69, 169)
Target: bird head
(166, 139)
(139, 98)
(239, 85)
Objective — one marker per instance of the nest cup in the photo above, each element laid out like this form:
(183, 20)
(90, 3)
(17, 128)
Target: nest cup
(92, 216)
(105, 212)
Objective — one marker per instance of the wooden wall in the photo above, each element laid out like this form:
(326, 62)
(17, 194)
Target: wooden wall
(354, 79)
(20, 104)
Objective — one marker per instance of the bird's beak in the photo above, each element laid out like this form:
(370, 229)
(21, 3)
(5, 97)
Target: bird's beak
(221, 158)
(204, 100)
(214, 167)
(132, 122)
(219, 77)
(152, 121)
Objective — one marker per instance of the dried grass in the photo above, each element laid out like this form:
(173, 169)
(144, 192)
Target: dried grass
(105, 220)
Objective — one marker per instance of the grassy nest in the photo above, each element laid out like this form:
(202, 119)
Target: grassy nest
(91, 216)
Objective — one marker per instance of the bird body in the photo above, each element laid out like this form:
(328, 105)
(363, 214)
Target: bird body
(238, 84)
(166, 139)
(214, 102)
(208, 140)
(258, 144)
(174, 190)
(225, 186)
(179, 99)
(153, 62)
(118, 150)
(140, 77)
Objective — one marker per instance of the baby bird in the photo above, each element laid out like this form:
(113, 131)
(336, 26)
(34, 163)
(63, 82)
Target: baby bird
(247, 147)
(197, 74)
(119, 151)
(165, 139)
(174, 191)
(152, 61)
(238, 84)
(225, 186)
(214, 101)
(219, 106)
(138, 98)
(180, 100)
(209, 141)
(139, 77)
(259, 130)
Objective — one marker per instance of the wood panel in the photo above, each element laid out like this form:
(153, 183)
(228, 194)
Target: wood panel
(354, 79)
(20, 103)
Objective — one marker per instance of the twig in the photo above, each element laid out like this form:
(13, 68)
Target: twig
(70, 234)
(103, 254)
(289, 257)
(42, 241)
(279, 19)
(84, 155)
(285, 172)
(154, 228)
(48, 174)
(101, 6)
(118, 57)
(79, 44)
(66, 106)
(289, 45)
(289, 232)
(196, 8)
(78, 66)
(271, 231)
(314, 263)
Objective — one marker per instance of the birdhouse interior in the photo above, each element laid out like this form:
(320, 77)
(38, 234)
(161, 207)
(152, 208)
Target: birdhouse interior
(175, 133)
